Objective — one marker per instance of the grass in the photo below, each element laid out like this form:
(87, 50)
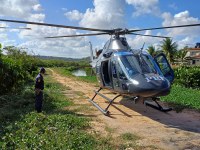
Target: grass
(129, 137)
(181, 98)
(55, 128)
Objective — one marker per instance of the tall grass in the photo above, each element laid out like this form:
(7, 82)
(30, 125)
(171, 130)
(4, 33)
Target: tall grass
(55, 128)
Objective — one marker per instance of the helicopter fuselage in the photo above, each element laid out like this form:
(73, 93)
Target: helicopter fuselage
(131, 72)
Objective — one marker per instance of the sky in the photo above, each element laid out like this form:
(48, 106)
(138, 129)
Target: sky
(103, 14)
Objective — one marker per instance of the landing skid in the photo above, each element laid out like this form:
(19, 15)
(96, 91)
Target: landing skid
(157, 106)
(104, 111)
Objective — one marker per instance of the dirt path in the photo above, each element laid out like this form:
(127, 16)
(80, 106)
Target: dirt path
(163, 130)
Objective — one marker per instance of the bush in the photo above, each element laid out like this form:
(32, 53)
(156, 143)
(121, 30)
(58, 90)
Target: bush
(16, 68)
(188, 76)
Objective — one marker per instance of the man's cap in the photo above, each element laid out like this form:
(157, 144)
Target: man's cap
(42, 69)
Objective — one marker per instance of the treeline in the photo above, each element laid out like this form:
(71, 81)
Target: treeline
(17, 67)
(170, 49)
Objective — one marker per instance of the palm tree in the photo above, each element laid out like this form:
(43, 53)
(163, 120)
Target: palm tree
(181, 54)
(169, 48)
(152, 50)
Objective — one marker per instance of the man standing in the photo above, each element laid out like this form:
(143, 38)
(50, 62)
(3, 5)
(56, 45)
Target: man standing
(39, 87)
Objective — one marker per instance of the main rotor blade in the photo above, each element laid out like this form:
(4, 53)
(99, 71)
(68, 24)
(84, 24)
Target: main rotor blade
(150, 35)
(167, 27)
(55, 25)
(15, 28)
(77, 35)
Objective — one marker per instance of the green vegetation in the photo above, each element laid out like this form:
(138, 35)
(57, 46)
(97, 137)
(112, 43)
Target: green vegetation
(55, 128)
(130, 137)
(188, 76)
(21, 127)
(16, 69)
(181, 97)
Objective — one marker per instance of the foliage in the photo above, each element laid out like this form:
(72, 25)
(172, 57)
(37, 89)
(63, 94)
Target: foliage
(181, 97)
(55, 128)
(180, 54)
(16, 68)
(152, 50)
(169, 48)
(188, 76)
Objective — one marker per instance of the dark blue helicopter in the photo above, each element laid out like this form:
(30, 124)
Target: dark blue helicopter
(124, 70)
(131, 72)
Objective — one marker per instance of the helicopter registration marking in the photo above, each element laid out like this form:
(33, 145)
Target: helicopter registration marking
(149, 78)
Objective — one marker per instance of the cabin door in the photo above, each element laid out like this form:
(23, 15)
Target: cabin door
(165, 67)
(105, 67)
(118, 76)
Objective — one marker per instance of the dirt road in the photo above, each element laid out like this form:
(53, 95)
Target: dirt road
(169, 131)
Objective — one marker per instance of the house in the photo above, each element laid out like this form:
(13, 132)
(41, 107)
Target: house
(193, 55)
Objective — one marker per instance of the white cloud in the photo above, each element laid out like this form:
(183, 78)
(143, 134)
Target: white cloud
(17, 8)
(63, 47)
(37, 7)
(74, 48)
(144, 7)
(37, 17)
(181, 18)
(3, 36)
(138, 41)
(187, 41)
(106, 14)
(74, 15)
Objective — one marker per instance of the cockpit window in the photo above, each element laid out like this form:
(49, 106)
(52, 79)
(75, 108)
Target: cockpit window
(147, 64)
(131, 64)
(135, 64)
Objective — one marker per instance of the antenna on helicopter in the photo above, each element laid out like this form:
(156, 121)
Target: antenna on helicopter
(142, 48)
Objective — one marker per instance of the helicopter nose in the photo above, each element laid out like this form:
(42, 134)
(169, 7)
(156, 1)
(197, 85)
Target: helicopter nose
(149, 87)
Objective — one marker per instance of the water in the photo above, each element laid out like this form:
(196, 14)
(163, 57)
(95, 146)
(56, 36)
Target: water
(79, 73)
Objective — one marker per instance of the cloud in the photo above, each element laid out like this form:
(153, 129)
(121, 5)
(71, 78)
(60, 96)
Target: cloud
(137, 41)
(37, 7)
(37, 17)
(74, 15)
(106, 14)
(181, 18)
(63, 47)
(18, 8)
(144, 7)
(74, 48)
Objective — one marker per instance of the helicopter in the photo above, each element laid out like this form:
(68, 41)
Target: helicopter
(123, 70)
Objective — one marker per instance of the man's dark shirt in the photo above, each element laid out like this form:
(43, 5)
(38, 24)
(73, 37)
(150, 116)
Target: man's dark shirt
(39, 82)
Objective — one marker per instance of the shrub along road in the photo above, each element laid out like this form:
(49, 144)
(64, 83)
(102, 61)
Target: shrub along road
(163, 130)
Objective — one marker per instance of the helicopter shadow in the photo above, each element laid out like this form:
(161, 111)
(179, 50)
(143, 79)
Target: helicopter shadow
(186, 120)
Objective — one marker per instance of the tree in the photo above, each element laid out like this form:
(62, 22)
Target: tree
(180, 55)
(152, 50)
(169, 48)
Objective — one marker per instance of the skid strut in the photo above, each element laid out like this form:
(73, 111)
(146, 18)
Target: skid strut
(104, 111)
(157, 106)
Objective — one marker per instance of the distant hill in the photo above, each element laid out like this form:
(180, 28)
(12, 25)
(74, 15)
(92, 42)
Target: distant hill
(64, 58)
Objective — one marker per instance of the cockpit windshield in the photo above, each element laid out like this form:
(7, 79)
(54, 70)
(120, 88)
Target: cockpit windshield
(135, 64)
